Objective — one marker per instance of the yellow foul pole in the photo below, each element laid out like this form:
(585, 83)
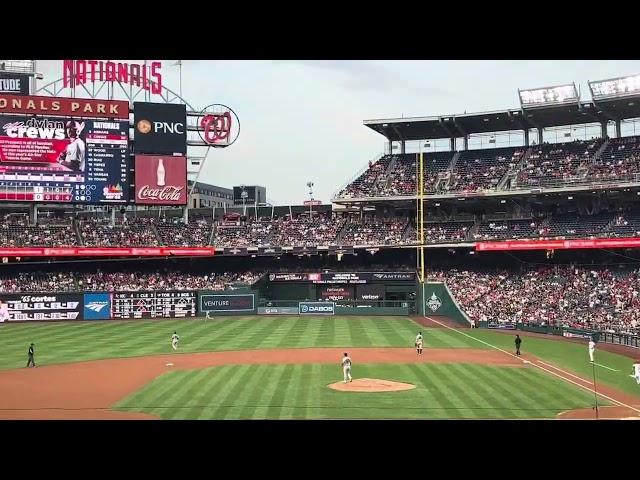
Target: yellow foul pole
(421, 224)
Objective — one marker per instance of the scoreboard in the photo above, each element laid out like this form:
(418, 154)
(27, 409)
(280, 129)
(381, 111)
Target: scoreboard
(53, 159)
(171, 304)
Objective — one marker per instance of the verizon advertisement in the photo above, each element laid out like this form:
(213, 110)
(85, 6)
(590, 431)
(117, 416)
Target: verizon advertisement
(57, 159)
(161, 180)
(336, 292)
(66, 107)
(371, 292)
(160, 128)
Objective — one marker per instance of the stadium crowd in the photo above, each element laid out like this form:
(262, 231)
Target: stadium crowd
(567, 296)
(124, 281)
(319, 230)
(483, 169)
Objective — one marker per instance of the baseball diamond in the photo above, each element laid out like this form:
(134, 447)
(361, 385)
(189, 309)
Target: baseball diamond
(281, 369)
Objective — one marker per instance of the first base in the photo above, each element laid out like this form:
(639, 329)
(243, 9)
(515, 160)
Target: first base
(169, 364)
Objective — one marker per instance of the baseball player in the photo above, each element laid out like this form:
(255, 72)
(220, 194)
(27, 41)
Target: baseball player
(592, 349)
(419, 343)
(346, 368)
(31, 361)
(636, 371)
(174, 340)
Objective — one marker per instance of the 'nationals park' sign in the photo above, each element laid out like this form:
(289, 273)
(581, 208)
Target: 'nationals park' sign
(66, 107)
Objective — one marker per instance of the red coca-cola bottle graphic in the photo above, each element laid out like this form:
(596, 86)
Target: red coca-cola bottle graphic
(160, 173)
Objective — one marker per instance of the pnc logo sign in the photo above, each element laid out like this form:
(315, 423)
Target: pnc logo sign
(168, 128)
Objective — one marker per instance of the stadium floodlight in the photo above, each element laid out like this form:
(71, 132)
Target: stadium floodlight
(615, 87)
(549, 96)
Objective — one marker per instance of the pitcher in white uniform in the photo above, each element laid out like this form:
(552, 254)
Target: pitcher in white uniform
(419, 343)
(346, 368)
(592, 349)
(174, 340)
(636, 371)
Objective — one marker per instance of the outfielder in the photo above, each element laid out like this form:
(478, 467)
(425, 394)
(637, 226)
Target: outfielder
(346, 368)
(174, 340)
(419, 343)
(636, 371)
(592, 349)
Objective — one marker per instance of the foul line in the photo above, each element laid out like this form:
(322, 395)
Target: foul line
(566, 373)
(537, 366)
(604, 366)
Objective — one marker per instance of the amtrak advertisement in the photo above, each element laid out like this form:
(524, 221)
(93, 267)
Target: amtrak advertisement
(97, 306)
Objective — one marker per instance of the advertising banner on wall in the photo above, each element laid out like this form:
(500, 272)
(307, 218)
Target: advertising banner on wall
(171, 304)
(49, 159)
(316, 308)
(160, 128)
(97, 306)
(14, 83)
(161, 180)
(277, 310)
(41, 306)
(370, 292)
(65, 107)
(502, 325)
(335, 293)
(343, 277)
(227, 303)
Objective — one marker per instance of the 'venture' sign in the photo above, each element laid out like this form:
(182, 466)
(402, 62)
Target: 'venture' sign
(79, 72)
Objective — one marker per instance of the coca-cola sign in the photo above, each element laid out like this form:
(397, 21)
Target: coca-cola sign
(169, 193)
(161, 180)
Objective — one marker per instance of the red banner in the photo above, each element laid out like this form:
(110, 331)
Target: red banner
(161, 180)
(72, 107)
(106, 252)
(558, 244)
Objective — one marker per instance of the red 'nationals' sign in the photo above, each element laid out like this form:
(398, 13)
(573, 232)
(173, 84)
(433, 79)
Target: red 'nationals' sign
(161, 180)
(79, 72)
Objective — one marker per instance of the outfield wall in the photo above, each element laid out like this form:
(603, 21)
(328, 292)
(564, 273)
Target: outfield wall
(435, 298)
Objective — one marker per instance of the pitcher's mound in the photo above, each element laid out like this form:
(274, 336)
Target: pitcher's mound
(371, 385)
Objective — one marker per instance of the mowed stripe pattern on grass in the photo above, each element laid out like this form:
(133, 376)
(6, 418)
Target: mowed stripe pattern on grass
(77, 341)
(300, 392)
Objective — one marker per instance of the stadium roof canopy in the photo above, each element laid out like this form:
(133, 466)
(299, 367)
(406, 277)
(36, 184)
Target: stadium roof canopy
(456, 126)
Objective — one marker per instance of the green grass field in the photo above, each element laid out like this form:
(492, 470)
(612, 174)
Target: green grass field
(299, 391)
(72, 342)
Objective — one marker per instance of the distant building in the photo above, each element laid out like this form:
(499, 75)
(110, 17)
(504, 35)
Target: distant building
(205, 195)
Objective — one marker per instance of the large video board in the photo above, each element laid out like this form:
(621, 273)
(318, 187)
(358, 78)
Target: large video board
(62, 159)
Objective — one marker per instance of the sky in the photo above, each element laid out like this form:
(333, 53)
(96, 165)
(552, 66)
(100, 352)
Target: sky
(302, 120)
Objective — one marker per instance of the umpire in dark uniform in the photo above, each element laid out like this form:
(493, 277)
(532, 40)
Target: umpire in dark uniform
(31, 362)
(518, 342)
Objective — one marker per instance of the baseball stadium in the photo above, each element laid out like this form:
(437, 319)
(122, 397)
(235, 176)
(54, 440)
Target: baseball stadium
(483, 266)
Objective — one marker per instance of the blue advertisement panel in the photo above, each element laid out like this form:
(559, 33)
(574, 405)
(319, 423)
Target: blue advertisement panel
(316, 308)
(97, 306)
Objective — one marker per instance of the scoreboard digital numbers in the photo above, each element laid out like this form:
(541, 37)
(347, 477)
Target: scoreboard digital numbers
(174, 304)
